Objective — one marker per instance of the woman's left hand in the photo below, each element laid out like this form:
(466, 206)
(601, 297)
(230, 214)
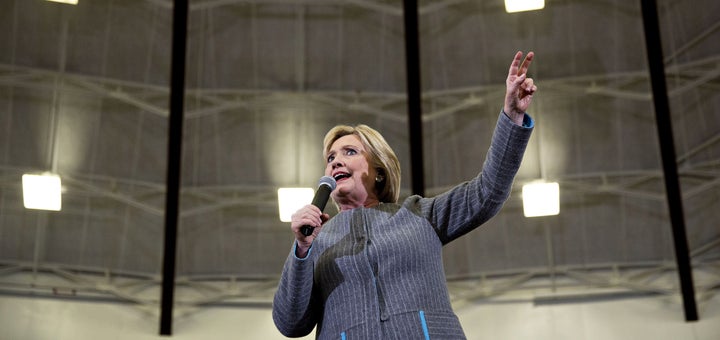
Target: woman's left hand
(520, 88)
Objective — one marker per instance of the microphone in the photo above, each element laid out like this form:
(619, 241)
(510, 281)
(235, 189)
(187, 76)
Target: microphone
(326, 185)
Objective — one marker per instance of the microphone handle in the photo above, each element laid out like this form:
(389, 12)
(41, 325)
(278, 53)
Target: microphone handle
(307, 230)
(320, 200)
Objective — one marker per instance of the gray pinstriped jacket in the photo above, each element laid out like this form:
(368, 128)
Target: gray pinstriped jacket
(377, 273)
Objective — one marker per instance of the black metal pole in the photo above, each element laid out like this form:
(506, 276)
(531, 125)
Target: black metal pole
(172, 194)
(667, 149)
(412, 62)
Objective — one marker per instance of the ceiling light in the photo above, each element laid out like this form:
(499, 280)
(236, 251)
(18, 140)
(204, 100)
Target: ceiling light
(512, 6)
(71, 2)
(541, 199)
(292, 199)
(42, 192)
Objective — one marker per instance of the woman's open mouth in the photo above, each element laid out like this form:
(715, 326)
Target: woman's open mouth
(341, 176)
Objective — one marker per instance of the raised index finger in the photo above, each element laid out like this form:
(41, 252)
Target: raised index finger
(514, 66)
(526, 63)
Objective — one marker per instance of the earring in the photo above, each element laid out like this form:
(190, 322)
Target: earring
(379, 178)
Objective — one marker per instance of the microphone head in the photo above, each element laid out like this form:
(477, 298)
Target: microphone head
(329, 181)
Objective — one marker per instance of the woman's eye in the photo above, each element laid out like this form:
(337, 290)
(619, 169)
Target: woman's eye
(350, 152)
(330, 158)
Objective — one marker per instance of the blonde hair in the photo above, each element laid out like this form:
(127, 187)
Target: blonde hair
(382, 158)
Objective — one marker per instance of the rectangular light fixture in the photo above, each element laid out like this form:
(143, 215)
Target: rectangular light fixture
(541, 199)
(42, 192)
(71, 2)
(512, 6)
(292, 199)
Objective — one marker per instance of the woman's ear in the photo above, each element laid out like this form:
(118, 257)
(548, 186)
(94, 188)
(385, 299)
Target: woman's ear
(380, 177)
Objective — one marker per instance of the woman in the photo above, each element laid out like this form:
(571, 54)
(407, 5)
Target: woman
(374, 271)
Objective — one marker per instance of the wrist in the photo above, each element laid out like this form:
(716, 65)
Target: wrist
(516, 117)
(302, 249)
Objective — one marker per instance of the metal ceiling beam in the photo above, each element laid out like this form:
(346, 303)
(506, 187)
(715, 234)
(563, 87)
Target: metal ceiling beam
(694, 191)
(484, 289)
(209, 199)
(174, 163)
(365, 4)
(213, 110)
(463, 104)
(702, 146)
(139, 289)
(116, 196)
(377, 6)
(434, 6)
(414, 96)
(137, 194)
(653, 44)
(358, 107)
(697, 82)
(694, 75)
(688, 45)
(121, 96)
(706, 247)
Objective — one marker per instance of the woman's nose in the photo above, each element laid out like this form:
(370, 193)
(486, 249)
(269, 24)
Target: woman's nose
(336, 163)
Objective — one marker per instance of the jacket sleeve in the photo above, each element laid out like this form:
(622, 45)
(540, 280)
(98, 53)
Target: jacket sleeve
(470, 204)
(293, 311)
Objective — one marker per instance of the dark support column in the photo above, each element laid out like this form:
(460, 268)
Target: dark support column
(172, 194)
(667, 149)
(412, 62)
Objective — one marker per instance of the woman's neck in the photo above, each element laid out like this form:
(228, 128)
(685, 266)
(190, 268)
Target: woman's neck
(368, 203)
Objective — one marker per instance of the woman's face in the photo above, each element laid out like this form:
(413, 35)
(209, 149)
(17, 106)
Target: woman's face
(348, 163)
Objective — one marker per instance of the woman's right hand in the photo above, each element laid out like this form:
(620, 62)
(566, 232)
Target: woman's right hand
(520, 88)
(308, 215)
